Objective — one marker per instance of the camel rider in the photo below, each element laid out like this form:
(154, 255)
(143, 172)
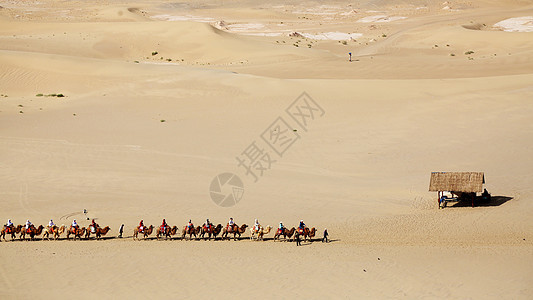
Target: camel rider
(256, 225)
(74, 225)
(141, 226)
(207, 224)
(51, 223)
(164, 225)
(93, 226)
(280, 227)
(302, 225)
(9, 226)
(28, 224)
(230, 224)
(189, 225)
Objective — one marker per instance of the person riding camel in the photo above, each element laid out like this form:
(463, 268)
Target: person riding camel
(256, 226)
(301, 227)
(141, 226)
(189, 226)
(51, 225)
(164, 226)
(231, 223)
(9, 226)
(28, 225)
(280, 227)
(74, 225)
(207, 224)
(94, 226)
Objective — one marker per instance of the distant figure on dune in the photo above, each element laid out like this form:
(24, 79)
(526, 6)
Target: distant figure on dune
(120, 231)
(297, 238)
(325, 238)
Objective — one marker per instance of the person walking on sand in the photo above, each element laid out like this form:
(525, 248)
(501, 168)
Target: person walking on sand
(325, 238)
(297, 238)
(120, 231)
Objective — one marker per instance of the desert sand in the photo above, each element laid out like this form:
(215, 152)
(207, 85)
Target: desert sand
(160, 97)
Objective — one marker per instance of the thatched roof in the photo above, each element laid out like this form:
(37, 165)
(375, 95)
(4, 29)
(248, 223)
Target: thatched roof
(469, 182)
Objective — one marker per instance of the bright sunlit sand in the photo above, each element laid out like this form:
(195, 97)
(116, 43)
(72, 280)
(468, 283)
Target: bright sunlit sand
(334, 113)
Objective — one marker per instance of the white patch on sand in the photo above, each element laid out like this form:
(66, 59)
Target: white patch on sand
(379, 19)
(521, 24)
(335, 36)
(245, 27)
(183, 18)
(263, 33)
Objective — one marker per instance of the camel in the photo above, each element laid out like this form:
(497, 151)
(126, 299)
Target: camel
(169, 232)
(146, 231)
(10, 230)
(77, 232)
(308, 233)
(211, 231)
(193, 231)
(55, 231)
(286, 233)
(99, 231)
(260, 233)
(32, 231)
(235, 230)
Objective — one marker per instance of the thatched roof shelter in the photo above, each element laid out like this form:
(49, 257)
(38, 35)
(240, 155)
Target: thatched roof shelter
(468, 182)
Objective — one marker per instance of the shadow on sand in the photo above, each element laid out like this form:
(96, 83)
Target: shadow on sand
(494, 201)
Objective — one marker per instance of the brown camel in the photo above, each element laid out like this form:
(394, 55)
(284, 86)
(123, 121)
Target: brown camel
(32, 232)
(99, 232)
(10, 230)
(308, 233)
(193, 231)
(146, 231)
(236, 230)
(77, 232)
(54, 230)
(168, 233)
(214, 231)
(286, 233)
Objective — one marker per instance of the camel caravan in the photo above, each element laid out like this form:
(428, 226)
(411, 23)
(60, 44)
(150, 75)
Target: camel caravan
(30, 232)
(207, 231)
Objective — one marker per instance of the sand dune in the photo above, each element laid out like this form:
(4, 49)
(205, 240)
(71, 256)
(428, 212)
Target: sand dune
(155, 107)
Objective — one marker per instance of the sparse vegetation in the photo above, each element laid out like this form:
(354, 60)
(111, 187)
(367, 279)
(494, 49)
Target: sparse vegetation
(39, 95)
(451, 54)
(163, 121)
(136, 61)
(469, 52)
(344, 42)
(154, 53)
(383, 35)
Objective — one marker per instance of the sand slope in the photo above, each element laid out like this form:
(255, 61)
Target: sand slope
(141, 136)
